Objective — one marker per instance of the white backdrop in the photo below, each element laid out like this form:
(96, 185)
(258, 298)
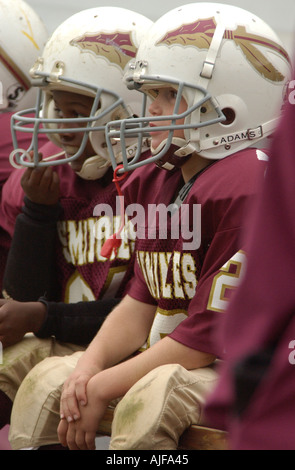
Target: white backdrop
(279, 14)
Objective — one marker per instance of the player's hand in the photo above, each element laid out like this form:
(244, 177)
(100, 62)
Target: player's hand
(74, 393)
(19, 318)
(80, 434)
(41, 185)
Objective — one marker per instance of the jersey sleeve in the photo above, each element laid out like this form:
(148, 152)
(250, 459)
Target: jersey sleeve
(218, 281)
(138, 288)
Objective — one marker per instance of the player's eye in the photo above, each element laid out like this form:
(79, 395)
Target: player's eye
(154, 92)
(173, 93)
(58, 112)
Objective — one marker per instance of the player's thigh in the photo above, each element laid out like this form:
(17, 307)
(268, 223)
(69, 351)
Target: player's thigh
(35, 413)
(19, 359)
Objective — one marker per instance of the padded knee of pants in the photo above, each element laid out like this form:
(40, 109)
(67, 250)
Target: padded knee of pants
(35, 413)
(158, 408)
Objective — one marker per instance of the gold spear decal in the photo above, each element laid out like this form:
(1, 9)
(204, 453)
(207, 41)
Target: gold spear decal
(117, 47)
(200, 34)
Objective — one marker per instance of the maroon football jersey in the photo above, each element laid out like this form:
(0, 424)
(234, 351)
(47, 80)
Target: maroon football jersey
(190, 275)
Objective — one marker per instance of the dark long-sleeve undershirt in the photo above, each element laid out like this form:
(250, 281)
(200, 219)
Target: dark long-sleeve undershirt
(30, 276)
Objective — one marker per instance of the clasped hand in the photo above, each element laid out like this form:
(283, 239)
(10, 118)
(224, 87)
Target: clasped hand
(81, 411)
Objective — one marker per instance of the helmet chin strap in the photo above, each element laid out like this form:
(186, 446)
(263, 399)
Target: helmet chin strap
(113, 243)
(178, 153)
(93, 168)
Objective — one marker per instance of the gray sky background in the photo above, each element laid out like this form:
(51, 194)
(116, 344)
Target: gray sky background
(279, 14)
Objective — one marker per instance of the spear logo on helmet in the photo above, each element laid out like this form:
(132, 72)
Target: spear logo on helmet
(116, 47)
(200, 33)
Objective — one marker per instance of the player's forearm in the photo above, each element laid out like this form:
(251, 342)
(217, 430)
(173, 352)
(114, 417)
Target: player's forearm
(124, 331)
(34, 239)
(116, 381)
(75, 323)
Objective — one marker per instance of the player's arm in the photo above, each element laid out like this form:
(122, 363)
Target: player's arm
(114, 382)
(30, 264)
(124, 331)
(29, 271)
(119, 379)
(75, 323)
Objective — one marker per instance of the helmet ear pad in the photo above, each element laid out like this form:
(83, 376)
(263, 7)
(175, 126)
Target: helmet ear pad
(49, 112)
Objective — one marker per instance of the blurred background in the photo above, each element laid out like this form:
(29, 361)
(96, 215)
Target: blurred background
(279, 14)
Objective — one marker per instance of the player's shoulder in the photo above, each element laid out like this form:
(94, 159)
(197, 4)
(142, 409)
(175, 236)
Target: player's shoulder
(5, 119)
(238, 166)
(238, 175)
(249, 159)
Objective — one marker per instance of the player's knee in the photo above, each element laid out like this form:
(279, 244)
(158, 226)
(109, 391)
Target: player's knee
(138, 414)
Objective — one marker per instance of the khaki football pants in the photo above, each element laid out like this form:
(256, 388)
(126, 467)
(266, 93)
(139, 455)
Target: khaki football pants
(18, 360)
(152, 415)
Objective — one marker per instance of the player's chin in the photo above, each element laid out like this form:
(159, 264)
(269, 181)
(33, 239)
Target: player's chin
(156, 140)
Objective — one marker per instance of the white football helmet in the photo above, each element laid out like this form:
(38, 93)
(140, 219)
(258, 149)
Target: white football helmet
(230, 67)
(22, 38)
(87, 54)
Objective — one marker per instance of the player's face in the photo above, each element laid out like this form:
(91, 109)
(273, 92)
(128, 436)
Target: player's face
(163, 105)
(68, 106)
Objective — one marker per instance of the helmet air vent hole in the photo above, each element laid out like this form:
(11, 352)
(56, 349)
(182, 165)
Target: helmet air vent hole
(230, 116)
